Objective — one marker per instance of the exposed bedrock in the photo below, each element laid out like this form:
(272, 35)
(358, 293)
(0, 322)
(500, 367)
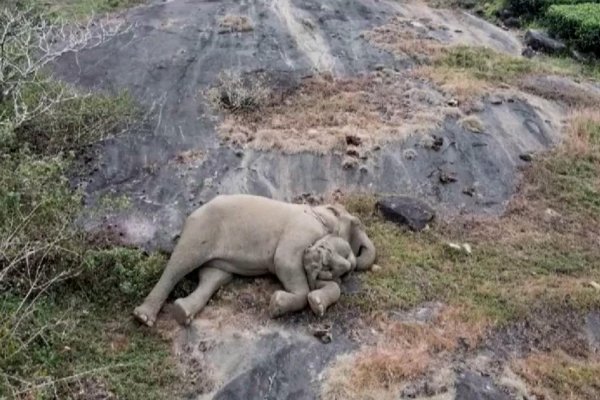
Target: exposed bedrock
(176, 161)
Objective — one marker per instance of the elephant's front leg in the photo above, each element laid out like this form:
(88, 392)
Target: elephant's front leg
(289, 270)
(211, 279)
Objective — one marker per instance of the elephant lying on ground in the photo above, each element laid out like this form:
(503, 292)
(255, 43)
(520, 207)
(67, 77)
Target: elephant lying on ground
(250, 236)
(325, 262)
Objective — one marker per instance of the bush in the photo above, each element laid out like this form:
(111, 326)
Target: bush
(532, 9)
(579, 24)
(235, 93)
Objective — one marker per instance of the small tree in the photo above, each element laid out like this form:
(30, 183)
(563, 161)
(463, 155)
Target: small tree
(29, 43)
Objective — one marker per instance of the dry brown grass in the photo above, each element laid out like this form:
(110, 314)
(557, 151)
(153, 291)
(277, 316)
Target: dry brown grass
(405, 38)
(579, 132)
(472, 123)
(189, 157)
(558, 376)
(405, 350)
(461, 85)
(327, 113)
(235, 23)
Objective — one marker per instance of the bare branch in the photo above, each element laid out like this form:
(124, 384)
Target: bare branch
(28, 46)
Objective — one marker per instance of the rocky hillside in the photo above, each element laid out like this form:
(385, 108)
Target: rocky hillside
(490, 292)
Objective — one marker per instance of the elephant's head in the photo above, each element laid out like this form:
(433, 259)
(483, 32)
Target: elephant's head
(351, 229)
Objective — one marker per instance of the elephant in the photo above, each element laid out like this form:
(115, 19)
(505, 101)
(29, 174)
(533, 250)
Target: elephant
(325, 262)
(328, 259)
(250, 236)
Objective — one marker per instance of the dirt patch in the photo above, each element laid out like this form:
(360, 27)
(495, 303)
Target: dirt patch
(343, 114)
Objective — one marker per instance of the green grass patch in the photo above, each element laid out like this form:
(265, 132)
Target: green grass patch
(526, 259)
(76, 344)
(77, 9)
(487, 64)
(74, 123)
(578, 24)
(531, 9)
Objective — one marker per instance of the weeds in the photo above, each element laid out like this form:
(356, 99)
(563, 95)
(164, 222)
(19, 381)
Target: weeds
(237, 94)
(326, 113)
(556, 375)
(58, 292)
(235, 23)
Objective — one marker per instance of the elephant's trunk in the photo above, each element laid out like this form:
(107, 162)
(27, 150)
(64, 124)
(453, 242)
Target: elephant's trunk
(364, 250)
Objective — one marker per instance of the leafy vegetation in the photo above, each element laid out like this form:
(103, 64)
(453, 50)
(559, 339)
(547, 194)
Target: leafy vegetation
(531, 9)
(59, 332)
(77, 9)
(579, 24)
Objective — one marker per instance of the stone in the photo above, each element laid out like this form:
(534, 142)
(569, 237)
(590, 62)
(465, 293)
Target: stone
(496, 100)
(447, 176)
(452, 103)
(528, 52)
(512, 22)
(595, 285)
(410, 154)
(406, 211)
(353, 140)
(322, 332)
(540, 41)
(527, 157)
(473, 386)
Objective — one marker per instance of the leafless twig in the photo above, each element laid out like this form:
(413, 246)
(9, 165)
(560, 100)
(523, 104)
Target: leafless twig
(28, 45)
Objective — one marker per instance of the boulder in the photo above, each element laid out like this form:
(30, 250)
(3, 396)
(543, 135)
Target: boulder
(406, 211)
(540, 41)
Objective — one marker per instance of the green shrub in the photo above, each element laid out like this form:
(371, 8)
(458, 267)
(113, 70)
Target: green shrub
(532, 9)
(76, 122)
(120, 273)
(579, 24)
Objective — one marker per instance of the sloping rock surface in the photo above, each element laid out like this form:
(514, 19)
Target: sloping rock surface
(174, 52)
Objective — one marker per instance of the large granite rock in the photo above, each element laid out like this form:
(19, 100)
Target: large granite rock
(540, 41)
(406, 211)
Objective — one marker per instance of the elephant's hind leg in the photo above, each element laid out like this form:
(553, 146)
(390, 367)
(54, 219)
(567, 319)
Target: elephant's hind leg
(190, 253)
(211, 279)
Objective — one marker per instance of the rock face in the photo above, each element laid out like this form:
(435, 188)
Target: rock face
(407, 211)
(282, 373)
(174, 52)
(540, 41)
(472, 386)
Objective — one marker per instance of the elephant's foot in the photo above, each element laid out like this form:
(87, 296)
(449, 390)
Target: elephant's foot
(277, 304)
(145, 314)
(316, 304)
(182, 314)
(283, 302)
